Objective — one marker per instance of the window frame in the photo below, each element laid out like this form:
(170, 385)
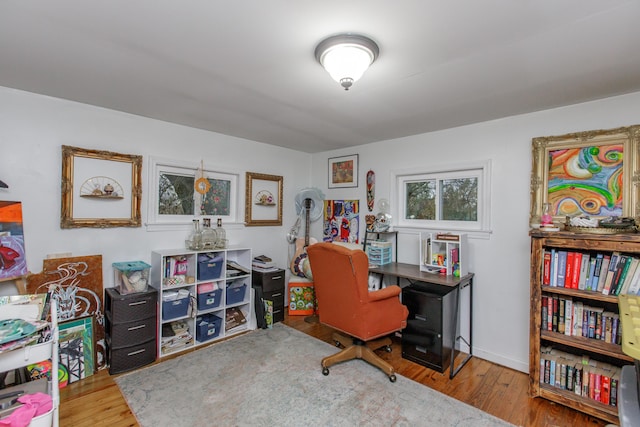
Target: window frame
(479, 170)
(159, 166)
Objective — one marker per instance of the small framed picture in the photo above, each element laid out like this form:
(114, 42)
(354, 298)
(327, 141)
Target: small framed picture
(343, 171)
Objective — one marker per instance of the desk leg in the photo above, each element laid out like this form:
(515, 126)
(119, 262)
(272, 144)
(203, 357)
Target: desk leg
(454, 370)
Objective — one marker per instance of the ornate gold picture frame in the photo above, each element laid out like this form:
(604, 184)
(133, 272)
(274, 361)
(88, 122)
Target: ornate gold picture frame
(263, 200)
(594, 173)
(100, 189)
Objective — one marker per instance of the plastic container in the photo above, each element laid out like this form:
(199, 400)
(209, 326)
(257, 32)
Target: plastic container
(131, 277)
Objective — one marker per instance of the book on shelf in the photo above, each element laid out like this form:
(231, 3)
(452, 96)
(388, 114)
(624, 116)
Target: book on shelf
(627, 276)
(623, 262)
(569, 266)
(584, 271)
(613, 264)
(634, 285)
(546, 265)
(606, 260)
(561, 269)
(595, 276)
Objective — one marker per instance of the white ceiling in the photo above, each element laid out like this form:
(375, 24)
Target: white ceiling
(247, 68)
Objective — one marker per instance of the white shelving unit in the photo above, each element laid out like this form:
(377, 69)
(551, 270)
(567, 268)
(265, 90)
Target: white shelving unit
(212, 289)
(31, 354)
(444, 251)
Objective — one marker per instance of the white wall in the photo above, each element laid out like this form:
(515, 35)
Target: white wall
(501, 263)
(34, 127)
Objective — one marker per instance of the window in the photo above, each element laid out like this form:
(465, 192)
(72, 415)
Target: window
(450, 199)
(173, 199)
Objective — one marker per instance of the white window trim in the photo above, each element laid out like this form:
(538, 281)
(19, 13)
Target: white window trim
(479, 229)
(156, 222)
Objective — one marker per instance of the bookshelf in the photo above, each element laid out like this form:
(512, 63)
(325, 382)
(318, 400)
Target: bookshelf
(600, 353)
(444, 252)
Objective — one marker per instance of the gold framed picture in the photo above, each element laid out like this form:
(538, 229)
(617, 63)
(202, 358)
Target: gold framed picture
(263, 199)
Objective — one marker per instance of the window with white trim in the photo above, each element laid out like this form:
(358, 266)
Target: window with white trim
(454, 198)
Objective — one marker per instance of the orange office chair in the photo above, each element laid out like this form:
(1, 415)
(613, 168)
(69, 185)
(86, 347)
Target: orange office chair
(341, 279)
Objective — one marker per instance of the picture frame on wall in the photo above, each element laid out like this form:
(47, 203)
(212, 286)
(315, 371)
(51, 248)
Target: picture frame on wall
(343, 171)
(263, 199)
(587, 173)
(100, 189)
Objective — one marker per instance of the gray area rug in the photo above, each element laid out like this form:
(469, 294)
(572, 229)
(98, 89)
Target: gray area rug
(272, 377)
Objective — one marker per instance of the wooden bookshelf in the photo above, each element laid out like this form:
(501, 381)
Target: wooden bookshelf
(540, 240)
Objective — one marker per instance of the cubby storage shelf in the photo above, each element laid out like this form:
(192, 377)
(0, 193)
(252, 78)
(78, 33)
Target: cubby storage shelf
(214, 287)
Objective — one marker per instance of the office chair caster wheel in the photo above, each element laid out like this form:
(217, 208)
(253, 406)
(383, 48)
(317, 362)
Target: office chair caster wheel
(387, 348)
(336, 343)
(325, 371)
(392, 378)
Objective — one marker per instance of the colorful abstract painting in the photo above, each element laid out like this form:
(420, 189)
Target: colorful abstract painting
(586, 180)
(341, 221)
(13, 262)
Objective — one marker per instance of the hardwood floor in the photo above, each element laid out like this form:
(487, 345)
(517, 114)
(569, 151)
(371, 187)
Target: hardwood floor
(96, 401)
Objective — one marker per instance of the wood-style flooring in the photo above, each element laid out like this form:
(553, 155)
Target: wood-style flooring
(96, 401)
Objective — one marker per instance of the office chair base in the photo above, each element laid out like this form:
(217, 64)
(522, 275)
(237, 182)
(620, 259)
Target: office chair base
(358, 349)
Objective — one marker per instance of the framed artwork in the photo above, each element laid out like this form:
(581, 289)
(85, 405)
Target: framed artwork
(590, 173)
(100, 189)
(180, 192)
(77, 347)
(341, 221)
(263, 199)
(343, 171)
(13, 261)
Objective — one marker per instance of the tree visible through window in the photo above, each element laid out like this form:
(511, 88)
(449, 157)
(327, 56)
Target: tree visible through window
(449, 199)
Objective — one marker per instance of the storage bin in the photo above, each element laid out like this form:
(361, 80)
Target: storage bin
(174, 309)
(379, 255)
(209, 266)
(208, 327)
(235, 294)
(131, 277)
(209, 300)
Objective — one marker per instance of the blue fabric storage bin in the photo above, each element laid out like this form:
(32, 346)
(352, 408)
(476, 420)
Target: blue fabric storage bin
(209, 300)
(174, 309)
(208, 327)
(209, 267)
(235, 294)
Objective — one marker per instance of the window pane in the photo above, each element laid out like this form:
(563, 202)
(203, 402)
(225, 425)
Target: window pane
(459, 199)
(175, 195)
(421, 200)
(217, 201)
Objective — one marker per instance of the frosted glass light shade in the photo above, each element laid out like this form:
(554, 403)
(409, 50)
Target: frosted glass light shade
(346, 57)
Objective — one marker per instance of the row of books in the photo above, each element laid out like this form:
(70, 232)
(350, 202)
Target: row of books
(609, 274)
(581, 375)
(574, 318)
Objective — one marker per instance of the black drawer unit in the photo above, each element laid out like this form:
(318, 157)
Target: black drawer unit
(130, 329)
(427, 339)
(269, 286)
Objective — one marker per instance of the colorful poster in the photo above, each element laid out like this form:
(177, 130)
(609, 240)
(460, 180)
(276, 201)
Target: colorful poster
(341, 221)
(13, 262)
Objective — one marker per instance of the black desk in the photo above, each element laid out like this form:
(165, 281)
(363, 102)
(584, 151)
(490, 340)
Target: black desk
(414, 276)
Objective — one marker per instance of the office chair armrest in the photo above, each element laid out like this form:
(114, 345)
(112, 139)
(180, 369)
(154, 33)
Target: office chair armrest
(385, 293)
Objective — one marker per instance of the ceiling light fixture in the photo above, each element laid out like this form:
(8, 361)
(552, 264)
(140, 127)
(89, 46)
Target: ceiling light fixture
(346, 57)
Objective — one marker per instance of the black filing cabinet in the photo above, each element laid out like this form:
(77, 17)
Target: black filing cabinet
(131, 323)
(271, 285)
(427, 339)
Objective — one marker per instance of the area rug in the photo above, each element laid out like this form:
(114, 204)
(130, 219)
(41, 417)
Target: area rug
(272, 377)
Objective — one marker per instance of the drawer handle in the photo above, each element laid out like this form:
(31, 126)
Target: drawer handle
(277, 295)
(421, 317)
(133, 353)
(276, 277)
(133, 328)
(137, 303)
